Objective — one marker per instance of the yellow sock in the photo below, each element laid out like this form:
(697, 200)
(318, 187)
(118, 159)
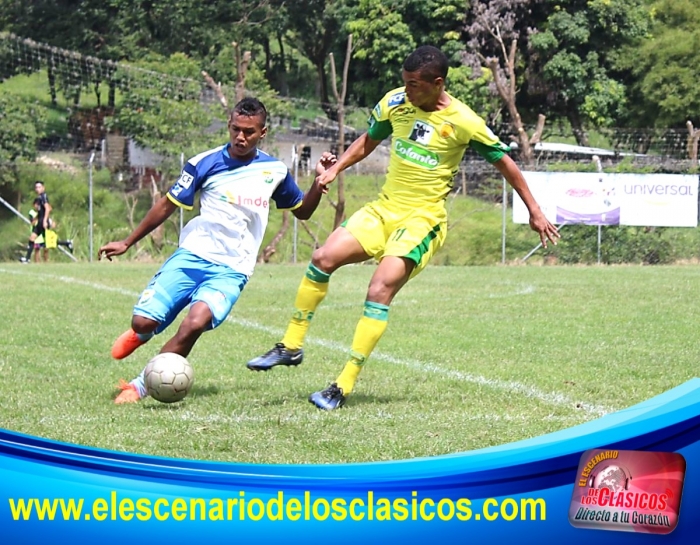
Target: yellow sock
(369, 330)
(312, 290)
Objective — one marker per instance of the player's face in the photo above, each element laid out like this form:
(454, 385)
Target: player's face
(420, 92)
(246, 132)
(39, 188)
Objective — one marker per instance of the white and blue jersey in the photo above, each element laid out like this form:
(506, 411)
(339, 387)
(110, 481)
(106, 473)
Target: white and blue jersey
(235, 204)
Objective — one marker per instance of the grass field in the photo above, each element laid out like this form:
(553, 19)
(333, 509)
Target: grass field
(473, 357)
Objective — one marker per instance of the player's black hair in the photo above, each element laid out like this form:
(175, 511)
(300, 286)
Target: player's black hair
(37, 200)
(39, 182)
(429, 61)
(251, 107)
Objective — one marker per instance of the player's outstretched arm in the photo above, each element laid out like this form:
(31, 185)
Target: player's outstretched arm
(356, 152)
(313, 195)
(538, 221)
(158, 213)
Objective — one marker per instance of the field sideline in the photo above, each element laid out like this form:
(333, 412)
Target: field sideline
(473, 357)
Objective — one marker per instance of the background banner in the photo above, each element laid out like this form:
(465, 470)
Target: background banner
(592, 198)
(519, 493)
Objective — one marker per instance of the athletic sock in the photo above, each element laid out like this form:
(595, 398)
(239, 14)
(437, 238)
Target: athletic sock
(140, 383)
(369, 330)
(30, 249)
(312, 290)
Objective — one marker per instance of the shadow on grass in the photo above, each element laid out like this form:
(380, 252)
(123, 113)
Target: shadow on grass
(355, 400)
(204, 391)
(197, 391)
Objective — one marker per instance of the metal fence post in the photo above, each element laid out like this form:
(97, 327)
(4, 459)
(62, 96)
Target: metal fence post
(295, 163)
(182, 212)
(503, 222)
(90, 234)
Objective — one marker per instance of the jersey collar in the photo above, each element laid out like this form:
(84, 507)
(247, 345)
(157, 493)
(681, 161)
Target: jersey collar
(237, 162)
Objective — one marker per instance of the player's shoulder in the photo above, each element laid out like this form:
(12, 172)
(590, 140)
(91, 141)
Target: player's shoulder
(464, 112)
(395, 97)
(211, 155)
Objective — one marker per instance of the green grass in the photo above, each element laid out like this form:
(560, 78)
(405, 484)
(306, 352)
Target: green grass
(473, 357)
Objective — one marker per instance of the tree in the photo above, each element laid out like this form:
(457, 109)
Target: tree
(386, 33)
(22, 125)
(314, 27)
(340, 101)
(475, 92)
(495, 39)
(164, 112)
(664, 89)
(571, 58)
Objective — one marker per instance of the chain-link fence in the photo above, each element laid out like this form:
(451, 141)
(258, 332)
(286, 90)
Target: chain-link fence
(138, 125)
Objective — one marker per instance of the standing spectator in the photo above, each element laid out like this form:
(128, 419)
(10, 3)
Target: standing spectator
(42, 220)
(39, 241)
(43, 223)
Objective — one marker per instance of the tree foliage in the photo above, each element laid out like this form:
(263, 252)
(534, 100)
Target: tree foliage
(386, 32)
(589, 62)
(22, 125)
(572, 53)
(664, 68)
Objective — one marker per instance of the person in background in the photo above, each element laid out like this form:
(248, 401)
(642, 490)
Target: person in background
(41, 224)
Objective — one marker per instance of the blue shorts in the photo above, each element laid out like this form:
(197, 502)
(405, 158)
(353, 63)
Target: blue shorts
(184, 279)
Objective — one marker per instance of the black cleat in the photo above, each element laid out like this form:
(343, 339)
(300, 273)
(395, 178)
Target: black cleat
(279, 355)
(69, 245)
(328, 399)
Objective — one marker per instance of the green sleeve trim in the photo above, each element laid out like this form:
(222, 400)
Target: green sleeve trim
(490, 152)
(379, 130)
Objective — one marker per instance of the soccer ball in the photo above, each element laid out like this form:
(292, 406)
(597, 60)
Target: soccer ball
(169, 377)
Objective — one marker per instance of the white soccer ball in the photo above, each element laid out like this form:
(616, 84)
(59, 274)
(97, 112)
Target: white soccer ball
(168, 377)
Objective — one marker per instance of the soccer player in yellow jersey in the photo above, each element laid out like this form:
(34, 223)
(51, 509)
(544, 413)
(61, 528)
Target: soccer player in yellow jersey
(430, 131)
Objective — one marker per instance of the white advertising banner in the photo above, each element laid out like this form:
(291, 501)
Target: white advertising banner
(592, 198)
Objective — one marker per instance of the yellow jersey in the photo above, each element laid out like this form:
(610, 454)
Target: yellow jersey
(427, 147)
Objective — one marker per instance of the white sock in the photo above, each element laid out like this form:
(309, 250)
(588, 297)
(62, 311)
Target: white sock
(139, 384)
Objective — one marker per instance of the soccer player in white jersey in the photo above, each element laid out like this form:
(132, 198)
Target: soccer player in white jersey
(219, 247)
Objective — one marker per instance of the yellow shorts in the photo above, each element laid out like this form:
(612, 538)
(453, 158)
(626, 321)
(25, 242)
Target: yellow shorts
(51, 238)
(413, 233)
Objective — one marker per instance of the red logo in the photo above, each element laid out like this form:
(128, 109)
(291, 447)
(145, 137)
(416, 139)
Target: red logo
(628, 491)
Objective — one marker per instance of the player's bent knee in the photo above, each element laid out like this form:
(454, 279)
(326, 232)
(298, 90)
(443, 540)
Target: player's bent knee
(321, 259)
(143, 325)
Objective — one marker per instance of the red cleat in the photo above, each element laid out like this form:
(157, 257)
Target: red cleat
(125, 344)
(128, 394)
